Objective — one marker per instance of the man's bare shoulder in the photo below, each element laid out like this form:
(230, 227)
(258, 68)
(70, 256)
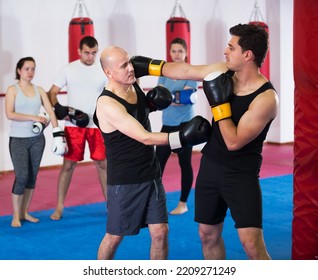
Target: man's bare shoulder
(108, 105)
(267, 102)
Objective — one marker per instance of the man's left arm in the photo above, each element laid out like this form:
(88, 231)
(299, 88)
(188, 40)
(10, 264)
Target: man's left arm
(261, 111)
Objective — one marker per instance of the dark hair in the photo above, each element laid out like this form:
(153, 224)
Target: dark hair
(179, 41)
(182, 43)
(254, 38)
(89, 41)
(20, 65)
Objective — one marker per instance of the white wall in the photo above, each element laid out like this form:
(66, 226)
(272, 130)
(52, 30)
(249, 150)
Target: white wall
(280, 20)
(39, 28)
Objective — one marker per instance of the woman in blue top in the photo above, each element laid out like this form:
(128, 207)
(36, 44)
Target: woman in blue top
(174, 118)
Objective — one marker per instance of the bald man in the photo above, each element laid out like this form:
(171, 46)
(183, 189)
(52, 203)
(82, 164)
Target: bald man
(136, 196)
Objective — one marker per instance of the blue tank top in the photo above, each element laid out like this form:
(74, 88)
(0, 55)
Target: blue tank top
(248, 157)
(130, 161)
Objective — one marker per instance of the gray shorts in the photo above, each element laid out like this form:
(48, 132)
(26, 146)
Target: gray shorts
(132, 207)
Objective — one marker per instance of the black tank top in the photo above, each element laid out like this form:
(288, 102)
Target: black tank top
(248, 157)
(130, 161)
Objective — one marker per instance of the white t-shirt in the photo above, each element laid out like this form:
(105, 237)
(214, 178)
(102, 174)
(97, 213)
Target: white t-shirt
(83, 85)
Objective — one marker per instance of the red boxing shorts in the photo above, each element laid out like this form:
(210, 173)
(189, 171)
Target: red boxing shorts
(76, 139)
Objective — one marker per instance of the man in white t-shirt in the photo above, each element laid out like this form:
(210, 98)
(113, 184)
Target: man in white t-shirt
(84, 81)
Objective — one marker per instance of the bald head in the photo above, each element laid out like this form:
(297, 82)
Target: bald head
(112, 55)
(116, 65)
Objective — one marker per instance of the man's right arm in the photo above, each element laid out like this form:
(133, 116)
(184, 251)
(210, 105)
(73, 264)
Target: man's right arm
(52, 94)
(61, 112)
(113, 116)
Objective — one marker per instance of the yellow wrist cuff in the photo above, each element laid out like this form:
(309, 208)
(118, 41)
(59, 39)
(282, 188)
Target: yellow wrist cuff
(155, 67)
(221, 112)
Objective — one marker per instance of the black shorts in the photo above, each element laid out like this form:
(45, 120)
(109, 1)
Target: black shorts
(219, 188)
(132, 207)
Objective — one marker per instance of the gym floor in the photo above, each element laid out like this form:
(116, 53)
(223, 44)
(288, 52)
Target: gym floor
(85, 187)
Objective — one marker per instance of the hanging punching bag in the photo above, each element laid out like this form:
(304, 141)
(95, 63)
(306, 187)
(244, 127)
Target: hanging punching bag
(177, 27)
(305, 185)
(79, 27)
(257, 19)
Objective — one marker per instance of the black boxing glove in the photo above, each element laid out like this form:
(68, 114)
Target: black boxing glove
(196, 131)
(145, 66)
(78, 117)
(95, 119)
(158, 98)
(60, 111)
(218, 88)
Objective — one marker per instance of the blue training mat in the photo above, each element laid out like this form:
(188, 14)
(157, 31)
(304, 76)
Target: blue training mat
(78, 234)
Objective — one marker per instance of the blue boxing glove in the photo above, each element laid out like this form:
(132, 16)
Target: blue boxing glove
(185, 96)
